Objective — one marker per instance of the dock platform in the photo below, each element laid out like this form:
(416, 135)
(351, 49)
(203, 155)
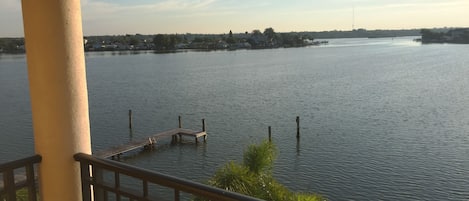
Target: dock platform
(175, 134)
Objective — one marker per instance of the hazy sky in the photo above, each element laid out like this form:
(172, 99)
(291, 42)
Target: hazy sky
(219, 16)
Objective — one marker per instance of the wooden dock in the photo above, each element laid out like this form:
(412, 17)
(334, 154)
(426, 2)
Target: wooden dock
(175, 134)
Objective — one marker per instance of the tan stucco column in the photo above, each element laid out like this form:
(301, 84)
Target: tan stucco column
(59, 99)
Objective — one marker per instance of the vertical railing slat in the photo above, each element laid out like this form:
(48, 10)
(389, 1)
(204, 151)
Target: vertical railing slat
(117, 184)
(31, 182)
(145, 189)
(98, 179)
(176, 195)
(9, 183)
(85, 180)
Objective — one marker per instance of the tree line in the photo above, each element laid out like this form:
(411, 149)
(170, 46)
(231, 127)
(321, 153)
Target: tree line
(460, 35)
(255, 39)
(248, 40)
(12, 45)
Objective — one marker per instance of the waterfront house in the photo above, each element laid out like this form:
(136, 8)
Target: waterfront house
(459, 35)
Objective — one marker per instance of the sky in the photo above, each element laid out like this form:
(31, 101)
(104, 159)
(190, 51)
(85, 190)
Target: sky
(115, 17)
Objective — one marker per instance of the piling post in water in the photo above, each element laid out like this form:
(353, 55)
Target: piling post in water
(203, 125)
(297, 127)
(131, 134)
(298, 146)
(130, 119)
(180, 122)
(270, 134)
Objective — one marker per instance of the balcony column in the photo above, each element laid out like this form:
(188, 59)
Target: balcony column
(59, 99)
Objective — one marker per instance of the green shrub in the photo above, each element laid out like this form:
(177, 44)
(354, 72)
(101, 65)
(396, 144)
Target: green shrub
(254, 176)
(21, 195)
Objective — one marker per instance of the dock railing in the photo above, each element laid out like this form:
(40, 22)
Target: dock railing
(101, 179)
(14, 181)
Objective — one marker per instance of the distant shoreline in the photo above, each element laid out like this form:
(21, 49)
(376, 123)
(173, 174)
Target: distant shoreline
(145, 42)
(211, 42)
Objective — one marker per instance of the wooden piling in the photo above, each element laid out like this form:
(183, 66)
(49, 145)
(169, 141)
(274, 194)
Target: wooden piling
(270, 134)
(180, 122)
(298, 146)
(130, 119)
(203, 125)
(173, 139)
(131, 134)
(297, 127)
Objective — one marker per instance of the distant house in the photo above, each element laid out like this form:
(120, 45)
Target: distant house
(258, 41)
(459, 35)
(198, 45)
(21, 47)
(181, 46)
(222, 45)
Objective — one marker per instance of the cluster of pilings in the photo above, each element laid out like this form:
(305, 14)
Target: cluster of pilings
(297, 129)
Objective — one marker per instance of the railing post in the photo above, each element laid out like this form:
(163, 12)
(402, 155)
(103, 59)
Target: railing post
(117, 184)
(176, 195)
(145, 188)
(98, 179)
(31, 182)
(85, 181)
(9, 183)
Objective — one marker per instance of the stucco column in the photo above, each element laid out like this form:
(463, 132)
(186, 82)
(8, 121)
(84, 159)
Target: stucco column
(59, 99)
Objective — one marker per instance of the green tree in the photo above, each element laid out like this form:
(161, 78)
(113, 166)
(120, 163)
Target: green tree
(260, 158)
(256, 32)
(134, 40)
(429, 36)
(231, 39)
(165, 42)
(291, 40)
(269, 33)
(2, 43)
(173, 41)
(254, 176)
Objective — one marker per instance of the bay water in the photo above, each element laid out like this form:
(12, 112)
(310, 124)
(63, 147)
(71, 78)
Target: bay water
(381, 119)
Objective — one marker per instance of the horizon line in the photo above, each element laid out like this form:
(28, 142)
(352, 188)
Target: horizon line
(335, 30)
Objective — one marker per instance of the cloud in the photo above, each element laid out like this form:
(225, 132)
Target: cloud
(163, 16)
(102, 10)
(11, 19)
(167, 5)
(407, 3)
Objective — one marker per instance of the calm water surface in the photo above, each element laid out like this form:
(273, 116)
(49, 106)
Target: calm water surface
(381, 119)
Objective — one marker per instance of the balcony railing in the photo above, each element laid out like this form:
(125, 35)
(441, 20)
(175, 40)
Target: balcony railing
(19, 174)
(103, 179)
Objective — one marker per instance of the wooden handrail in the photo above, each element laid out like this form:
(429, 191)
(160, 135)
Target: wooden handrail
(98, 165)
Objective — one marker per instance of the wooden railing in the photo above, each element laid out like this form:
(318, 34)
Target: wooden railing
(26, 179)
(103, 180)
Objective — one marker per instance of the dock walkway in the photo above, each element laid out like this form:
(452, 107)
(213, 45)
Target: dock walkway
(175, 134)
